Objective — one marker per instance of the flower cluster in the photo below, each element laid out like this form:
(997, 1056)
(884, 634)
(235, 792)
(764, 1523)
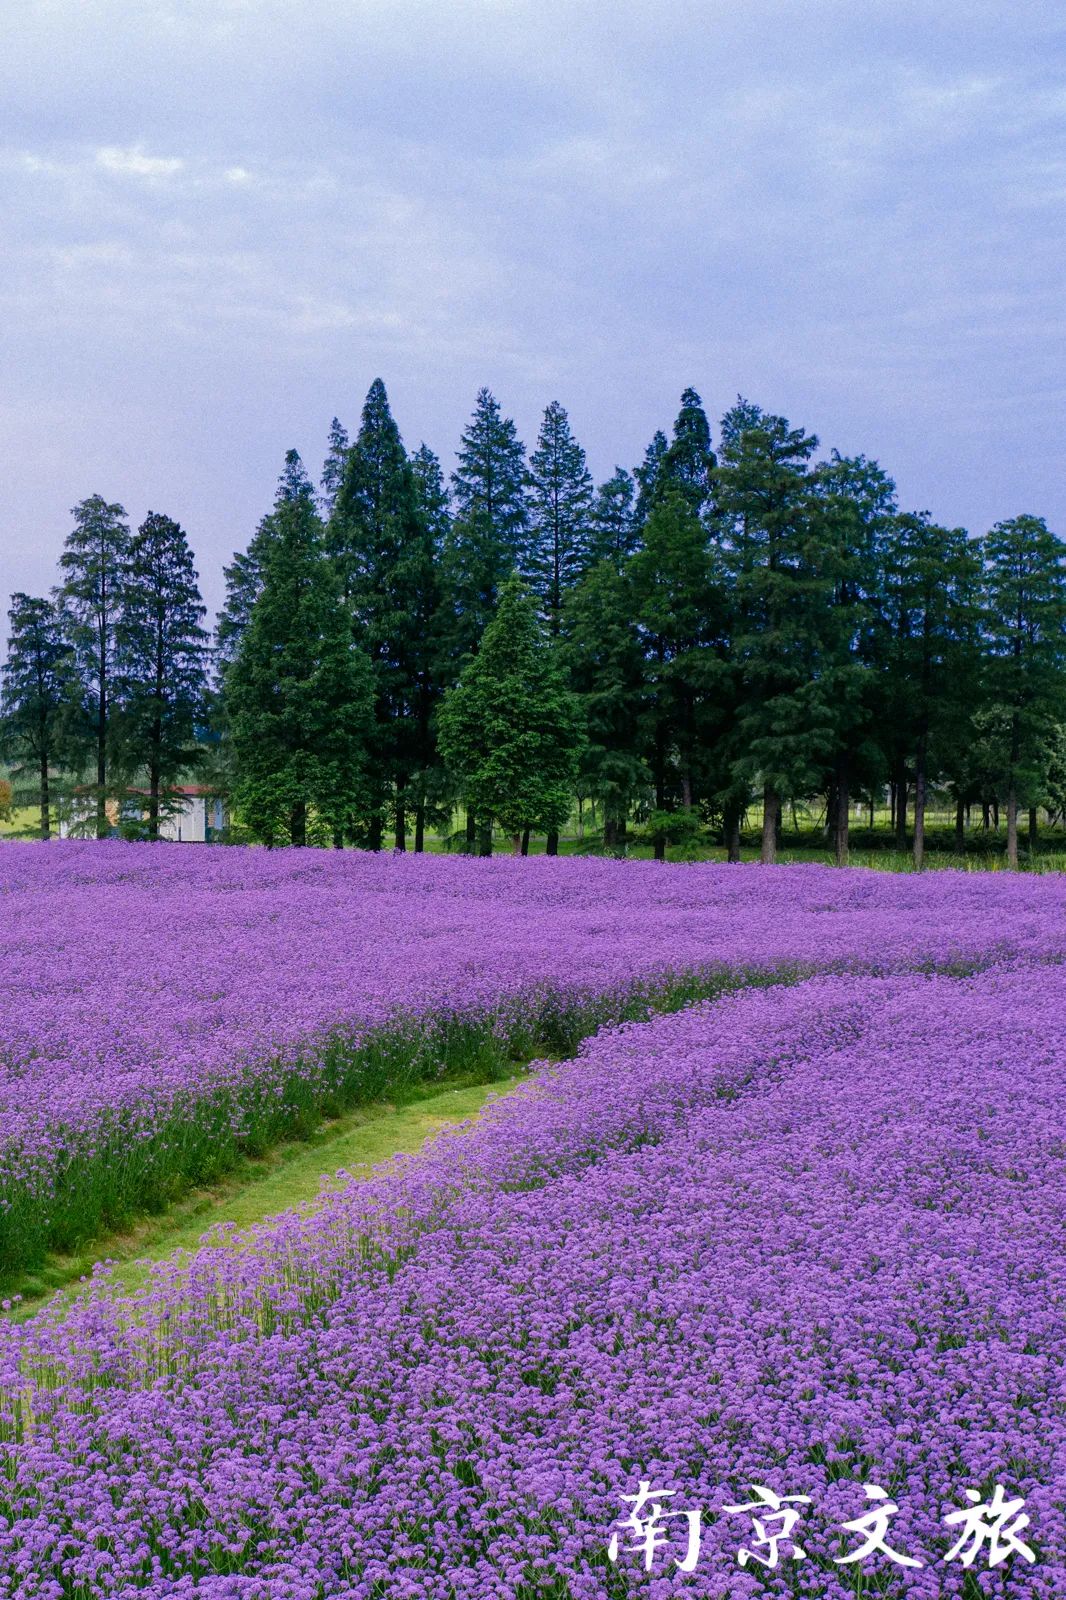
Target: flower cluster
(807, 1238)
(163, 1009)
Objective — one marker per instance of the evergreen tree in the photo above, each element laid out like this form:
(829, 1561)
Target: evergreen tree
(432, 494)
(560, 498)
(689, 461)
(510, 728)
(647, 476)
(1025, 627)
(679, 614)
(604, 655)
(382, 548)
(160, 657)
(930, 576)
(333, 467)
(39, 690)
(853, 515)
(489, 521)
(244, 576)
(93, 564)
(613, 534)
(765, 506)
(299, 693)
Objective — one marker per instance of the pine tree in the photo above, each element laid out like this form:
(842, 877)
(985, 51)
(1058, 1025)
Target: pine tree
(382, 548)
(689, 461)
(432, 494)
(852, 517)
(93, 563)
(489, 521)
(160, 657)
(647, 476)
(679, 614)
(613, 533)
(930, 580)
(1025, 628)
(765, 505)
(560, 498)
(510, 729)
(333, 467)
(299, 693)
(244, 576)
(604, 656)
(39, 690)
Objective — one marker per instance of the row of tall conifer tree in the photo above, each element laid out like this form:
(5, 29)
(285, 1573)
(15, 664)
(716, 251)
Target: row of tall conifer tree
(730, 621)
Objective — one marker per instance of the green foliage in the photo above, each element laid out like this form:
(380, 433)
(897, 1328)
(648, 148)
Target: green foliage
(160, 651)
(613, 534)
(93, 565)
(679, 611)
(689, 463)
(382, 547)
(766, 508)
(488, 530)
(299, 693)
(604, 656)
(560, 499)
(680, 831)
(333, 467)
(510, 728)
(39, 696)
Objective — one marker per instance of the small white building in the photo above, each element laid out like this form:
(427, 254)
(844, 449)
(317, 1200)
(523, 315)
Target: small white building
(195, 814)
(198, 819)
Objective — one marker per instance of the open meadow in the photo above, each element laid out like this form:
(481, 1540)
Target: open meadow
(782, 1216)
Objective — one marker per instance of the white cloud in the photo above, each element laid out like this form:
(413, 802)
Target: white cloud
(133, 161)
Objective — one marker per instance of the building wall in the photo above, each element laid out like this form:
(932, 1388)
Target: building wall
(189, 824)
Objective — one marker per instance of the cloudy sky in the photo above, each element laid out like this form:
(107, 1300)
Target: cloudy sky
(223, 218)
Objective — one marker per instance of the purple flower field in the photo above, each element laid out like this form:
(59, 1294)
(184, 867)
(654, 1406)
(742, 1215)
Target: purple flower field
(809, 1238)
(160, 1008)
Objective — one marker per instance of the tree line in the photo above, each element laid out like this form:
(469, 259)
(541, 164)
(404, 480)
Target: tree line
(730, 622)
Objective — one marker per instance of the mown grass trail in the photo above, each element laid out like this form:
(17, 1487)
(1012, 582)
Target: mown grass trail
(290, 1176)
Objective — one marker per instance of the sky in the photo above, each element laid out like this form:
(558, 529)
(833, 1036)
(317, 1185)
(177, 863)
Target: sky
(222, 219)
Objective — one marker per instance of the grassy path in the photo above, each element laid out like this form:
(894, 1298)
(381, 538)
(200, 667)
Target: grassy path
(290, 1175)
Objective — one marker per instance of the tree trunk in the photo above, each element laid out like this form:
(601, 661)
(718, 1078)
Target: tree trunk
(919, 805)
(525, 841)
(338, 839)
(153, 782)
(901, 807)
(732, 834)
(1032, 830)
(46, 810)
(401, 825)
(986, 816)
(829, 831)
(374, 834)
(871, 811)
(960, 826)
(516, 844)
(101, 773)
(471, 832)
(609, 833)
(298, 823)
(420, 827)
(892, 805)
(1012, 825)
(485, 845)
(552, 848)
(771, 811)
(995, 812)
(843, 799)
